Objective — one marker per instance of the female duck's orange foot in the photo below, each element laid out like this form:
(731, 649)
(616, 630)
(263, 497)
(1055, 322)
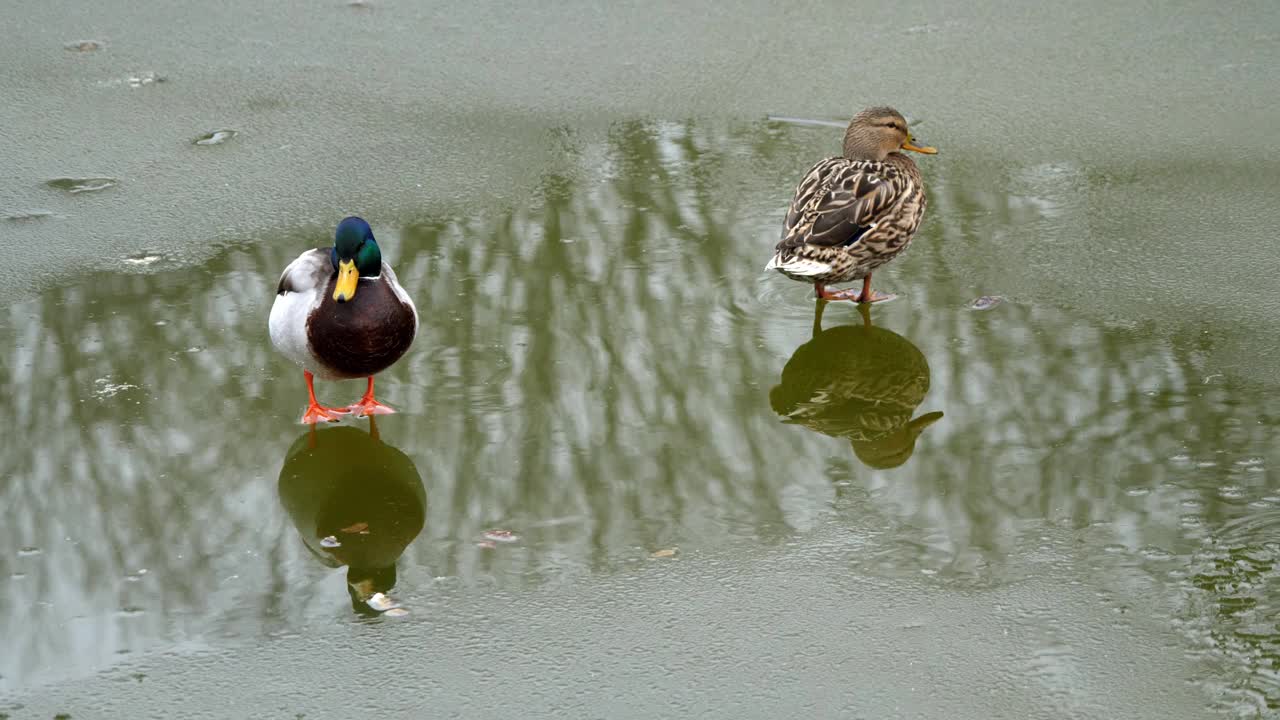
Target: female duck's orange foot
(875, 297)
(826, 294)
(854, 295)
(318, 413)
(369, 406)
(866, 296)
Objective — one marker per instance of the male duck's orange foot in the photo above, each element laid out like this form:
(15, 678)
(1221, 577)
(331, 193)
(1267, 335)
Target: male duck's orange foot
(369, 406)
(318, 413)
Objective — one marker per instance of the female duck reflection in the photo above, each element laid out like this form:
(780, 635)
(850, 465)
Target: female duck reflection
(356, 501)
(858, 382)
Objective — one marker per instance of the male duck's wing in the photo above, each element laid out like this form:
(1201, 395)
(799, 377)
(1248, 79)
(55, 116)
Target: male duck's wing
(389, 276)
(839, 200)
(309, 271)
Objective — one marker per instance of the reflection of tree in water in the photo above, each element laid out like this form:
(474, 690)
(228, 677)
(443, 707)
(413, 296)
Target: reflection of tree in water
(592, 369)
(858, 382)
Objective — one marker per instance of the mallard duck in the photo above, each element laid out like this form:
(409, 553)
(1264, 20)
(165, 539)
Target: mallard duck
(854, 213)
(858, 382)
(341, 314)
(356, 501)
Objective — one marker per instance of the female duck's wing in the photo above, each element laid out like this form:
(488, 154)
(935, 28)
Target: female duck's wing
(309, 271)
(839, 200)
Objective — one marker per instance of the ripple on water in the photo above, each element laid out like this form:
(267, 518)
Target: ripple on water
(28, 551)
(75, 186)
(103, 388)
(1153, 552)
(136, 80)
(502, 536)
(142, 260)
(28, 216)
(217, 137)
(1232, 492)
(778, 293)
(1235, 588)
(84, 46)
(986, 302)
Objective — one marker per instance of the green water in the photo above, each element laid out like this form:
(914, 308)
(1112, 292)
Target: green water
(607, 373)
(634, 475)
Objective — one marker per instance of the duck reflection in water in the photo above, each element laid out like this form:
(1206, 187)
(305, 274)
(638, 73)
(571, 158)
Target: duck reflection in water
(356, 501)
(858, 382)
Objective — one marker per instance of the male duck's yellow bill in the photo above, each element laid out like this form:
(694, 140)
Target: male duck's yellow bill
(348, 279)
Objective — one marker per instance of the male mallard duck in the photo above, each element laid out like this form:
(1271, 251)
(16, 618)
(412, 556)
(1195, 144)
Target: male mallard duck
(341, 314)
(852, 214)
(858, 382)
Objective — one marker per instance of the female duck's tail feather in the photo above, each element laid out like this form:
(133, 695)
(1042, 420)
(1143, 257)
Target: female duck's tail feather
(798, 266)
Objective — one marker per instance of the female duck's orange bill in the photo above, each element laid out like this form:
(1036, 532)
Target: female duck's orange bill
(927, 150)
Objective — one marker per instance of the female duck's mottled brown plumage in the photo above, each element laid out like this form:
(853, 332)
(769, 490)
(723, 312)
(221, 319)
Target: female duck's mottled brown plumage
(854, 213)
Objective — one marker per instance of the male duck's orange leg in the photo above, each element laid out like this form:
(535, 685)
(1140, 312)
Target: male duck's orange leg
(315, 411)
(368, 405)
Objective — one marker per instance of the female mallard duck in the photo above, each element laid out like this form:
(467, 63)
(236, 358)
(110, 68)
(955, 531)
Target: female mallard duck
(852, 214)
(341, 314)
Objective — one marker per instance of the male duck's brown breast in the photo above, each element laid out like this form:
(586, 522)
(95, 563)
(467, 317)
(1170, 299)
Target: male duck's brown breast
(364, 335)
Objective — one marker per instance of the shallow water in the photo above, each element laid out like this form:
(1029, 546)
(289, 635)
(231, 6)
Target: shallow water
(632, 474)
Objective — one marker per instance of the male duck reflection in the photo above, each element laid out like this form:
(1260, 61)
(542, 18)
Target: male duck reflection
(854, 213)
(859, 382)
(356, 501)
(341, 314)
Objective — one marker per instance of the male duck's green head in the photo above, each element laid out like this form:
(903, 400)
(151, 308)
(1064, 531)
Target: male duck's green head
(355, 255)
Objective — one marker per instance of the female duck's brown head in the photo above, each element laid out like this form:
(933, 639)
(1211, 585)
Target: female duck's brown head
(878, 131)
